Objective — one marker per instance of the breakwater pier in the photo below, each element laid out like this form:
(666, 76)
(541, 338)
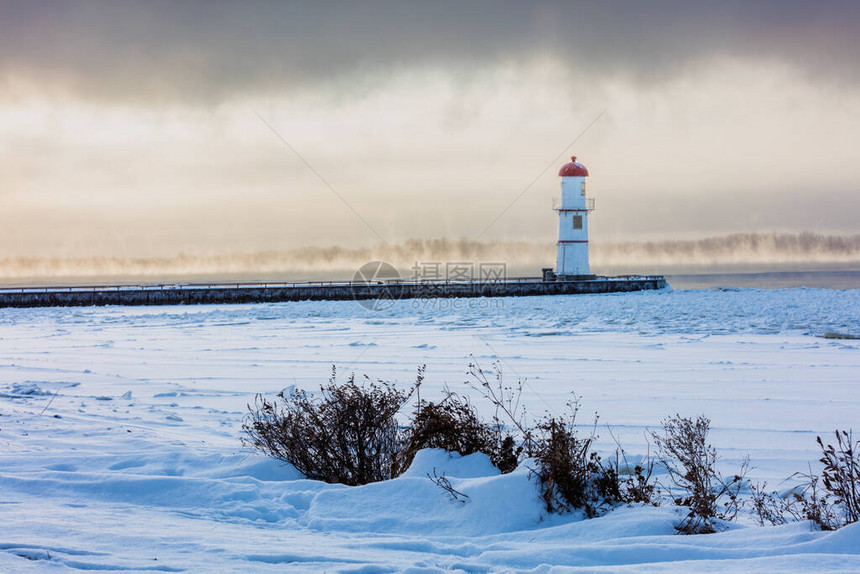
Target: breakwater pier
(221, 293)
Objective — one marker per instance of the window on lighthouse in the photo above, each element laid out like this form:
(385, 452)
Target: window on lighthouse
(577, 222)
(582, 187)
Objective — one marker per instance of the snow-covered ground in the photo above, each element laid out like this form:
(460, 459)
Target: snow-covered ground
(119, 430)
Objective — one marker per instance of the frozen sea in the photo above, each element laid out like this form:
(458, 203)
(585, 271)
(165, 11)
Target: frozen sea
(120, 428)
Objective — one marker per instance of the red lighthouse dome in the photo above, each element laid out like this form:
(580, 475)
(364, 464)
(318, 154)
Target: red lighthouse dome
(573, 169)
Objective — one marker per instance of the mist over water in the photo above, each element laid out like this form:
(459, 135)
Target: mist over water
(746, 253)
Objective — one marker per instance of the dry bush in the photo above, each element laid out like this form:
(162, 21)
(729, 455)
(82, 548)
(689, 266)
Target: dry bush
(808, 502)
(841, 476)
(637, 487)
(830, 501)
(507, 457)
(634, 484)
(574, 477)
(691, 464)
(805, 503)
(454, 425)
(770, 507)
(505, 400)
(567, 468)
(571, 475)
(347, 434)
(815, 504)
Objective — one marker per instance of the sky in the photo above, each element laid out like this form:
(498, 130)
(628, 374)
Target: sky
(148, 129)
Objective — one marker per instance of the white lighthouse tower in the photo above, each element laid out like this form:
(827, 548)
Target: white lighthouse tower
(573, 207)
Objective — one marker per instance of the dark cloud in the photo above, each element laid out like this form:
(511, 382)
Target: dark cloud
(211, 50)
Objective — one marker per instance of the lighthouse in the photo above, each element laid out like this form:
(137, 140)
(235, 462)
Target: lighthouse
(573, 207)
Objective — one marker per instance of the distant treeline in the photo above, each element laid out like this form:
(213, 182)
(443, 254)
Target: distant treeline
(735, 249)
(738, 248)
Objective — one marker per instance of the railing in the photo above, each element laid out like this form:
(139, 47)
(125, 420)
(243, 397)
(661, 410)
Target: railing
(556, 204)
(632, 278)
